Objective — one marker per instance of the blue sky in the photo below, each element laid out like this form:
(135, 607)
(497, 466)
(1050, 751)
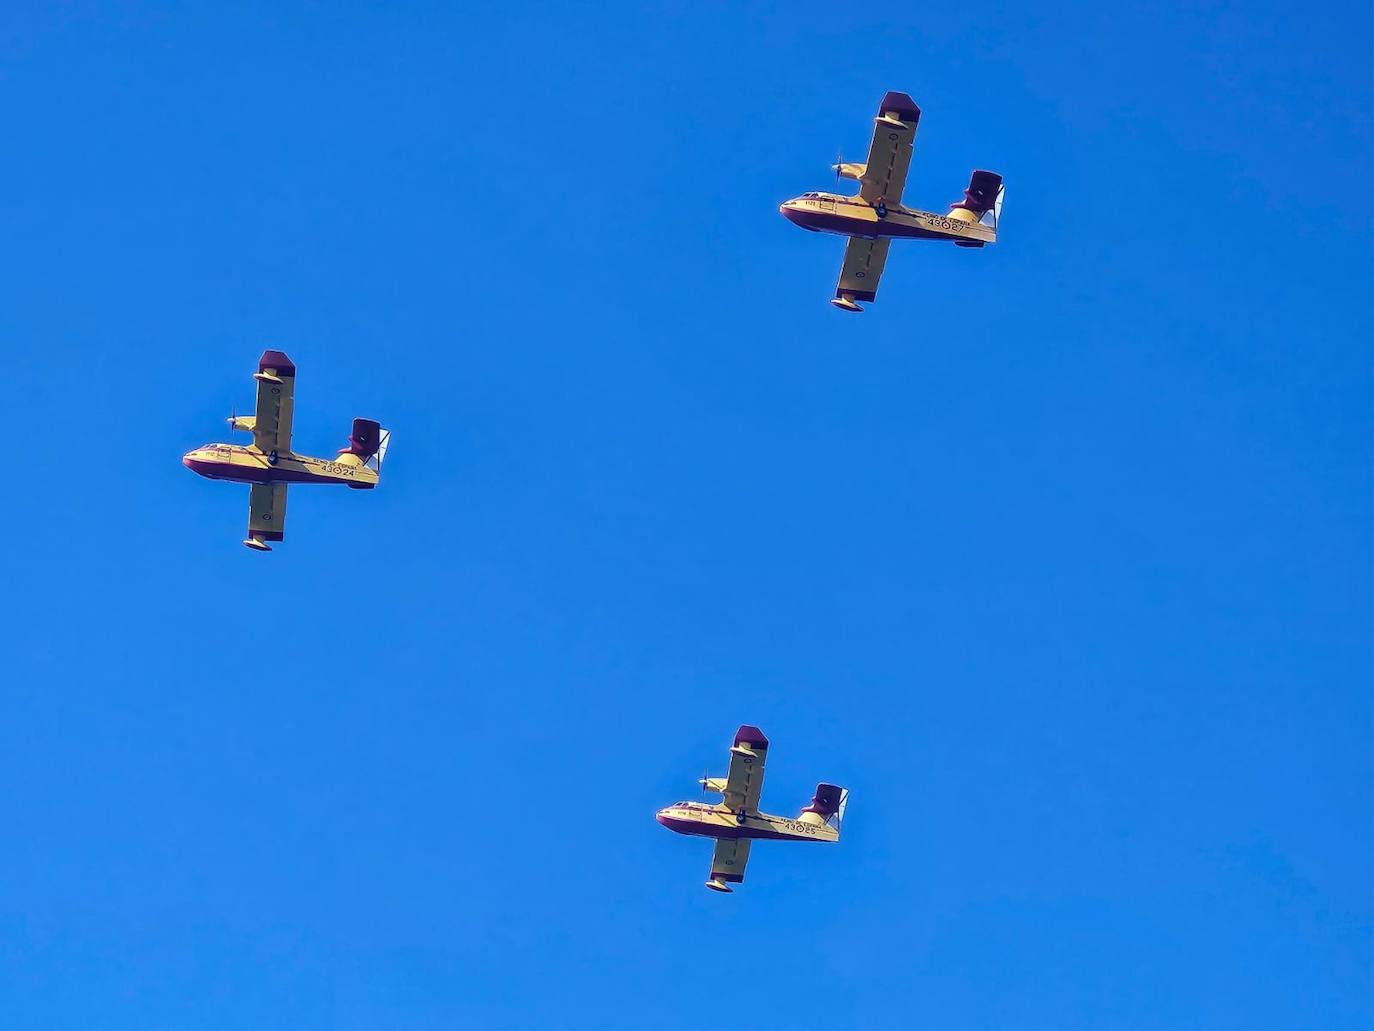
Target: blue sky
(1058, 557)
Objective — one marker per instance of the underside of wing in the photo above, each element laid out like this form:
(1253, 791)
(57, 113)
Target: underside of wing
(744, 782)
(266, 514)
(728, 862)
(862, 268)
(889, 155)
(276, 378)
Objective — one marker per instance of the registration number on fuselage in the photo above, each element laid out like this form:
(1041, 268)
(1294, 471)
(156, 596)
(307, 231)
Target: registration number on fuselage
(797, 827)
(949, 225)
(337, 469)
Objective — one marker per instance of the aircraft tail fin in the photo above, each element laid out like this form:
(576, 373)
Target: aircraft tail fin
(366, 444)
(827, 806)
(982, 200)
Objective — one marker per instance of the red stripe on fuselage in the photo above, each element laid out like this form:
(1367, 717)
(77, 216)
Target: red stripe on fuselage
(255, 474)
(846, 225)
(710, 830)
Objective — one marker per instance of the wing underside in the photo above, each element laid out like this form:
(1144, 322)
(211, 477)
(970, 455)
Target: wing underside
(744, 782)
(267, 512)
(889, 155)
(276, 378)
(862, 268)
(729, 859)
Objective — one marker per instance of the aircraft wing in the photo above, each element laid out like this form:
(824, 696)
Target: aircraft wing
(276, 378)
(889, 155)
(267, 511)
(862, 268)
(744, 782)
(729, 859)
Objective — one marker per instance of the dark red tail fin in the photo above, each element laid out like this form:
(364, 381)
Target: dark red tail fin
(826, 802)
(364, 440)
(984, 191)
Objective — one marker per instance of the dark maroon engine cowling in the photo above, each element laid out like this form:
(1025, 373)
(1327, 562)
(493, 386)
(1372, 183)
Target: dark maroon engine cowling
(365, 439)
(981, 194)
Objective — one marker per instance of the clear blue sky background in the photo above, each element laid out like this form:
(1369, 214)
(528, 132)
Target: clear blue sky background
(1059, 557)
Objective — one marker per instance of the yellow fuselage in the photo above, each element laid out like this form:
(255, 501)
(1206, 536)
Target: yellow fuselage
(717, 821)
(250, 465)
(853, 216)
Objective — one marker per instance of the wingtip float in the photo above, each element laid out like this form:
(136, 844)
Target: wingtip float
(268, 464)
(736, 821)
(875, 216)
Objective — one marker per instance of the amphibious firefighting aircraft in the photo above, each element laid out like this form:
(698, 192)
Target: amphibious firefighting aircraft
(736, 820)
(875, 215)
(269, 464)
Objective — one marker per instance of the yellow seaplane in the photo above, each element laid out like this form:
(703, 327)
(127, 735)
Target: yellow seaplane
(875, 216)
(735, 821)
(269, 464)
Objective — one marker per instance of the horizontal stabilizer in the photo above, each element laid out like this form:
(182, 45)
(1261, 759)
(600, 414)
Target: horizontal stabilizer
(383, 442)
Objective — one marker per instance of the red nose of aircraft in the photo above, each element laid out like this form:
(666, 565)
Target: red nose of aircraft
(798, 216)
(198, 465)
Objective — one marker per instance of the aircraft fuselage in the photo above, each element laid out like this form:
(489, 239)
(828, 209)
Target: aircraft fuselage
(250, 465)
(717, 821)
(853, 216)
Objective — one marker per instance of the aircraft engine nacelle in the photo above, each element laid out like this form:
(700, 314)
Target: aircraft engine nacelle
(850, 170)
(716, 784)
(246, 423)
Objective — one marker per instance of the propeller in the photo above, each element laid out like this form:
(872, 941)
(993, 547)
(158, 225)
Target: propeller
(233, 415)
(705, 777)
(839, 163)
